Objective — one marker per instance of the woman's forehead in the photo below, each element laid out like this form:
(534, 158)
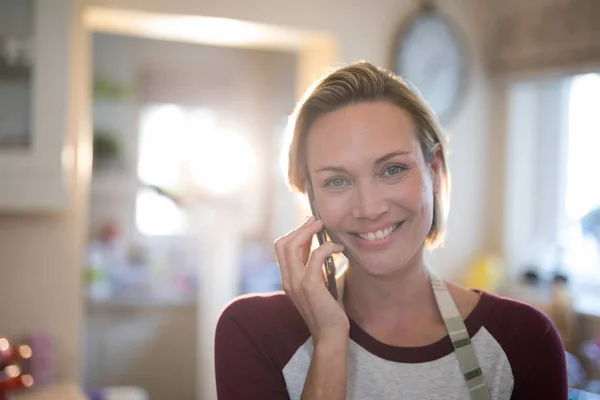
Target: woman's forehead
(365, 130)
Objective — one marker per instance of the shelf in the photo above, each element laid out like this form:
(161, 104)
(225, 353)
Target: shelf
(141, 302)
(14, 142)
(14, 72)
(114, 184)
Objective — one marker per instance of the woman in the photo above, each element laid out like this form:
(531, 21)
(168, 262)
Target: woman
(373, 154)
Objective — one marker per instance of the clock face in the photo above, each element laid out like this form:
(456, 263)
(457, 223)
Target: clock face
(429, 57)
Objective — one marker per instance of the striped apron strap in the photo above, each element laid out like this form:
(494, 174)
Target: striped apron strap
(463, 347)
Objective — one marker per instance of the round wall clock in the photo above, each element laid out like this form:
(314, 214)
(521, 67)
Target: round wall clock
(429, 55)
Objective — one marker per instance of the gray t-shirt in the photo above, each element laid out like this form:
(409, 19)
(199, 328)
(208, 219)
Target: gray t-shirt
(263, 351)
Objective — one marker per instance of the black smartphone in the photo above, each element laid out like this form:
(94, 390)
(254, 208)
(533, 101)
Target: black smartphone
(322, 238)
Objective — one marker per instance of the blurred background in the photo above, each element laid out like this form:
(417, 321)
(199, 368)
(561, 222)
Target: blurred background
(142, 146)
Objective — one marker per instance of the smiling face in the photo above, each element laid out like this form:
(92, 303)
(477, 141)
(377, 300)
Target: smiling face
(372, 186)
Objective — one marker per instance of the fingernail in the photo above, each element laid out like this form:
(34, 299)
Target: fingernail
(310, 220)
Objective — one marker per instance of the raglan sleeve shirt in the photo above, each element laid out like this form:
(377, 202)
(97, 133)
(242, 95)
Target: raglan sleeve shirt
(257, 337)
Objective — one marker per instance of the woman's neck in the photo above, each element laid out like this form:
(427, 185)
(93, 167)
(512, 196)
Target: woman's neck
(396, 300)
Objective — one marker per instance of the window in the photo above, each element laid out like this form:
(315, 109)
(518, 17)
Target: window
(582, 183)
(552, 177)
(552, 180)
(583, 160)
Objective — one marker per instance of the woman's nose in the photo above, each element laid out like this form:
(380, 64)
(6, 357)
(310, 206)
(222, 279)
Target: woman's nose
(368, 202)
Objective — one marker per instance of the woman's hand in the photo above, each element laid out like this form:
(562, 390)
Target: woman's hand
(304, 282)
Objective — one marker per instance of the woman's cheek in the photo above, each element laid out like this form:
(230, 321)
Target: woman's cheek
(333, 212)
(415, 194)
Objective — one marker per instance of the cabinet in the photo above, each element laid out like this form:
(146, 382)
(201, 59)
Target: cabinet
(32, 166)
(134, 344)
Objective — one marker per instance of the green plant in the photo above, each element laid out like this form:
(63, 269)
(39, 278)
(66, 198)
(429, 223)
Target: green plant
(106, 149)
(106, 88)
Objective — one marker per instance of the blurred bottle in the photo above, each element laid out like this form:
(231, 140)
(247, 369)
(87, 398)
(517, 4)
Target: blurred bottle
(560, 310)
(485, 273)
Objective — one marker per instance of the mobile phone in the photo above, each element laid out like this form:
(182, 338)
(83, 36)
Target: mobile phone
(322, 238)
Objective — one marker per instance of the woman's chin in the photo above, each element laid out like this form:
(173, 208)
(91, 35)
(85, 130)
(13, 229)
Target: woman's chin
(382, 264)
(376, 267)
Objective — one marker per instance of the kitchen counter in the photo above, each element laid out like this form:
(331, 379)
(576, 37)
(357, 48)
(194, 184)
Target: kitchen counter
(60, 391)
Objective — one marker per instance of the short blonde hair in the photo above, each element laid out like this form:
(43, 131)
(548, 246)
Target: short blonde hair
(363, 82)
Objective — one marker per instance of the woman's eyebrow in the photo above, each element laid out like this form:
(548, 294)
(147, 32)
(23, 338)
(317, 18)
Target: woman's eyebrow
(382, 159)
(388, 156)
(331, 168)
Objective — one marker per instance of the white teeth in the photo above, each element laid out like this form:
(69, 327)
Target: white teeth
(381, 234)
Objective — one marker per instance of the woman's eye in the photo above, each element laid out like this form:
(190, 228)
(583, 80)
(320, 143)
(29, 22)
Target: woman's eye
(335, 182)
(393, 170)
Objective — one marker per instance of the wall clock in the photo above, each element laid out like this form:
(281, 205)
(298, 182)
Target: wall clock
(429, 54)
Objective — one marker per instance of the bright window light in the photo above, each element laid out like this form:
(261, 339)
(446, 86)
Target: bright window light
(220, 161)
(175, 141)
(157, 215)
(167, 134)
(583, 162)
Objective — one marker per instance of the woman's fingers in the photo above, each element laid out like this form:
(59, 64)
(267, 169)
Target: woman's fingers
(288, 250)
(298, 247)
(302, 279)
(314, 270)
(300, 269)
(283, 243)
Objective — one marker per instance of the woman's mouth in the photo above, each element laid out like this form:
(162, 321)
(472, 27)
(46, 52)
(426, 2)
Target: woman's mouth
(378, 235)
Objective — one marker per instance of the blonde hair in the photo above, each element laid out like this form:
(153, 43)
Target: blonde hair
(363, 82)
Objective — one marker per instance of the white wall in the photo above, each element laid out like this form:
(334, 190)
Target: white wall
(470, 161)
(365, 31)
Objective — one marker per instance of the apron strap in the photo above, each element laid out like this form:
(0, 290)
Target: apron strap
(463, 347)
